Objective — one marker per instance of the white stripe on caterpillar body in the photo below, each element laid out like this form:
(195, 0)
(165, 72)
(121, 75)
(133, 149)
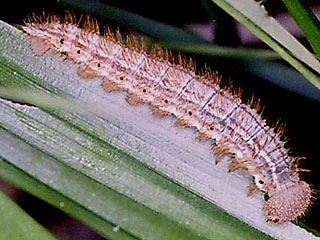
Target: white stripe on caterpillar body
(239, 132)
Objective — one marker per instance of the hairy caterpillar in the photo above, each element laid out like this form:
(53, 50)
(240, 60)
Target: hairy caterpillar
(239, 132)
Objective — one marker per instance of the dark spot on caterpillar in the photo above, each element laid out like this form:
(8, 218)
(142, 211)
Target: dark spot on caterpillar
(61, 40)
(222, 123)
(99, 65)
(144, 90)
(166, 101)
(211, 128)
(190, 113)
(121, 78)
(261, 182)
(266, 196)
(78, 51)
(276, 220)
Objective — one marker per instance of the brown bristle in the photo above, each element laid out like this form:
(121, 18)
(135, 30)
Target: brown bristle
(158, 112)
(134, 99)
(118, 36)
(156, 51)
(212, 77)
(107, 33)
(180, 122)
(71, 18)
(90, 24)
(135, 44)
(110, 86)
(236, 92)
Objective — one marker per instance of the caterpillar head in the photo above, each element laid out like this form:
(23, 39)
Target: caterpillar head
(288, 202)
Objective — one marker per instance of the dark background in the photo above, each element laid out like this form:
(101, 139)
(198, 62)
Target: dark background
(300, 113)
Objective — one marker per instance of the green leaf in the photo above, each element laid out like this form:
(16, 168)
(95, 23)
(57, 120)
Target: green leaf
(127, 19)
(71, 191)
(256, 19)
(206, 49)
(307, 21)
(16, 224)
(116, 162)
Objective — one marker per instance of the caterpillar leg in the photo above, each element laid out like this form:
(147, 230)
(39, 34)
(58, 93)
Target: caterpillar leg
(221, 151)
(202, 136)
(158, 112)
(86, 72)
(236, 164)
(39, 46)
(134, 99)
(180, 122)
(110, 86)
(252, 189)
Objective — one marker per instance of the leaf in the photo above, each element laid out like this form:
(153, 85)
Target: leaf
(16, 224)
(206, 49)
(116, 162)
(256, 19)
(307, 21)
(148, 26)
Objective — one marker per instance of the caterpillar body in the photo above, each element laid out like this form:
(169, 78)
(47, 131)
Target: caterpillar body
(239, 132)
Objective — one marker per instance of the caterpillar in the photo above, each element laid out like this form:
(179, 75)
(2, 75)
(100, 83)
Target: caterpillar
(149, 76)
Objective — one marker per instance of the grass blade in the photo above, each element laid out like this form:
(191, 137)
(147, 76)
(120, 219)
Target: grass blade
(255, 18)
(307, 21)
(219, 51)
(16, 224)
(142, 24)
